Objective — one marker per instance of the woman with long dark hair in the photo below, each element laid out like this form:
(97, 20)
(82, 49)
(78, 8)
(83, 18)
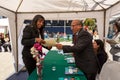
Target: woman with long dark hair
(31, 34)
(100, 52)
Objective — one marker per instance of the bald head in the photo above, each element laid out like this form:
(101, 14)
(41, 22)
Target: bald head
(76, 25)
(78, 22)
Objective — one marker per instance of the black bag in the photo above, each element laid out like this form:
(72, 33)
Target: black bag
(114, 49)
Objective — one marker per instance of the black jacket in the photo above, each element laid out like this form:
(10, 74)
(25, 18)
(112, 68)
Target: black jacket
(84, 55)
(28, 39)
(102, 58)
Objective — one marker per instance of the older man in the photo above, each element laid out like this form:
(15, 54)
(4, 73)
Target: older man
(85, 58)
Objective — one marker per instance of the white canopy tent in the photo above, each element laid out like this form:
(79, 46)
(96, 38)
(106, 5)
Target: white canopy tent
(19, 10)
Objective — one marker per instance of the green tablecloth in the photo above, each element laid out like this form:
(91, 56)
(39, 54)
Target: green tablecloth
(53, 59)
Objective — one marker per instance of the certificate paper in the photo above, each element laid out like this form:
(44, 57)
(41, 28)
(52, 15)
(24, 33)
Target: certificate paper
(50, 42)
(110, 41)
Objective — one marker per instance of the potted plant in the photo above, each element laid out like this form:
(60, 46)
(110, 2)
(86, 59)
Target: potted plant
(89, 23)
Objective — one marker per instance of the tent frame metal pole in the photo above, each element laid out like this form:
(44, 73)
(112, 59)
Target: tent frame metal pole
(104, 25)
(16, 43)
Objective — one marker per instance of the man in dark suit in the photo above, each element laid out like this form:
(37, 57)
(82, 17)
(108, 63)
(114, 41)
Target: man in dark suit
(85, 58)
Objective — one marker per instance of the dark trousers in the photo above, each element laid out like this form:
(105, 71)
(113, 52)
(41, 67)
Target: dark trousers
(0, 49)
(90, 76)
(5, 47)
(30, 64)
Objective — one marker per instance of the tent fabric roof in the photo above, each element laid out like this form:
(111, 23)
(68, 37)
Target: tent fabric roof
(56, 5)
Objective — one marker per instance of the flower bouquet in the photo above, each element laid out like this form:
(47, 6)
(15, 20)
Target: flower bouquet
(37, 53)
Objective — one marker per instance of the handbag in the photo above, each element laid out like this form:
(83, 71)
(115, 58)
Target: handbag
(114, 49)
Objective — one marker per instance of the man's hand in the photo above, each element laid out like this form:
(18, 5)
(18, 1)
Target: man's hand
(49, 47)
(59, 46)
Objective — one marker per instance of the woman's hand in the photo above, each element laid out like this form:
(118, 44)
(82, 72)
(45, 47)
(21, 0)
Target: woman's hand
(39, 40)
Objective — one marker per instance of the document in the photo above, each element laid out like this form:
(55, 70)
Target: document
(71, 70)
(110, 41)
(50, 42)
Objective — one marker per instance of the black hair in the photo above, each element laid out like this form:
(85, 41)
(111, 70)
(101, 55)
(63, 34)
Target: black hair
(36, 18)
(101, 46)
(100, 43)
(34, 23)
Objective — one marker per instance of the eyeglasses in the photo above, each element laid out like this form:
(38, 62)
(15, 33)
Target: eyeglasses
(72, 26)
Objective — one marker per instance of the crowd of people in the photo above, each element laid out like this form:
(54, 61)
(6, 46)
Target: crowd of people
(5, 43)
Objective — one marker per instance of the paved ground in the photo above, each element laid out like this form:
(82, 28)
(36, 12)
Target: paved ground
(6, 65)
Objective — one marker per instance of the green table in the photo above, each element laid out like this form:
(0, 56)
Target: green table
(53, 59)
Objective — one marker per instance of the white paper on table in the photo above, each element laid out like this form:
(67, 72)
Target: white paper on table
(50, 42)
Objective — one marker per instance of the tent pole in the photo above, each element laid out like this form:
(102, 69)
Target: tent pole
(104, 24)
(64, 28)
(16, 43)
